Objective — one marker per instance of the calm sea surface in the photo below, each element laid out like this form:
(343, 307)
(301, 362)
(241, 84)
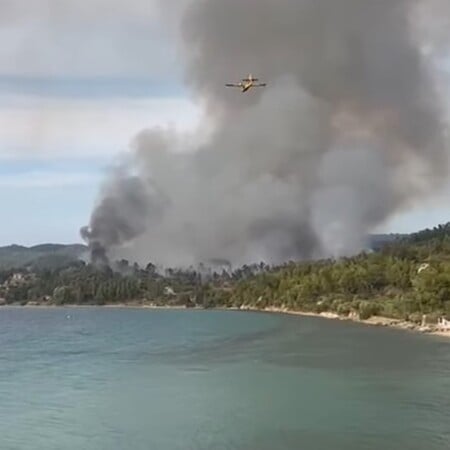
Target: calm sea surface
(118, 379)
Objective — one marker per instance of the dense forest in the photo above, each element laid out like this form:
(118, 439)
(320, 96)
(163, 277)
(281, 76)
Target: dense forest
(403, 279)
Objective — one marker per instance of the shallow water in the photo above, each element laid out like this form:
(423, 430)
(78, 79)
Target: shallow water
(118, 379)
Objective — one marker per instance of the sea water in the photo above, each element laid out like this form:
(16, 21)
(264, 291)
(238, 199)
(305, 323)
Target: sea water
(117, 379)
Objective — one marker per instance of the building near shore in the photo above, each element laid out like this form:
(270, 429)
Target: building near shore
(443, 324)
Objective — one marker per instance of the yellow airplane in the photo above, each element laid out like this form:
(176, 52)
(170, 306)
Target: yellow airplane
(246, 83)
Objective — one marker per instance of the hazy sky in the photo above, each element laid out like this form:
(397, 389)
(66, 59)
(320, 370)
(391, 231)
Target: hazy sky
(78, 79)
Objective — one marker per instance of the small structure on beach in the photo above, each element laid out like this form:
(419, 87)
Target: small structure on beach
(443, 324)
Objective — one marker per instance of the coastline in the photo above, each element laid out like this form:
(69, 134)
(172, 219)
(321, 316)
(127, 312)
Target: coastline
(378, 321)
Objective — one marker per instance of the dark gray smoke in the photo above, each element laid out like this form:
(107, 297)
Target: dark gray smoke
(348, 132)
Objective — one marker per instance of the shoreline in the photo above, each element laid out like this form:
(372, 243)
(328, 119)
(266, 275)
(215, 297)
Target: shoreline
(378, 321)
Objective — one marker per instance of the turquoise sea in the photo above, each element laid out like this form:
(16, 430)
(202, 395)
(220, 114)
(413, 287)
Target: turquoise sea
(118, 379)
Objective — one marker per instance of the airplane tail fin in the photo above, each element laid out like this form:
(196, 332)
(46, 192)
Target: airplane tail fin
(250, 78)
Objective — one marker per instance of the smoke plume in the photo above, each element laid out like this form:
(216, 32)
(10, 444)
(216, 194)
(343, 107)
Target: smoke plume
(349, 131)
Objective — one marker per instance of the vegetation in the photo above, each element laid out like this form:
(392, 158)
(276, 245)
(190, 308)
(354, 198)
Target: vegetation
(45, 255)
(407, 277)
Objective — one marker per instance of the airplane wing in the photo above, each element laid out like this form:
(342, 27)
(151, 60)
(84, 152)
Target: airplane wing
(232, 85)
(260, 85)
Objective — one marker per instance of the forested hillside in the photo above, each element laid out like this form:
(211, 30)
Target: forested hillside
(404, 279)
(45, 255)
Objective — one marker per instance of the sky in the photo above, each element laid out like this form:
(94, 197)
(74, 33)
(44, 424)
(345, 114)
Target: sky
(78, 80)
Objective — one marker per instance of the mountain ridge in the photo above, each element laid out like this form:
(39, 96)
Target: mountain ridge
(45, 255)
(53, 255)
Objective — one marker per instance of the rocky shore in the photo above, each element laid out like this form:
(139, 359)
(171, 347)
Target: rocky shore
(374, 321)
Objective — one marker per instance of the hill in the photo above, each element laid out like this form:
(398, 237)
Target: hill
(405, 279)
(53, 256)
(43, 255)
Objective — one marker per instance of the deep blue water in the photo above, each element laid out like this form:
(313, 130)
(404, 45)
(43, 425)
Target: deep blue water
(118, 379)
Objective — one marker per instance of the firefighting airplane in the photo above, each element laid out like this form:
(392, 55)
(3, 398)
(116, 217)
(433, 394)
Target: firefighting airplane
(246, 83)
